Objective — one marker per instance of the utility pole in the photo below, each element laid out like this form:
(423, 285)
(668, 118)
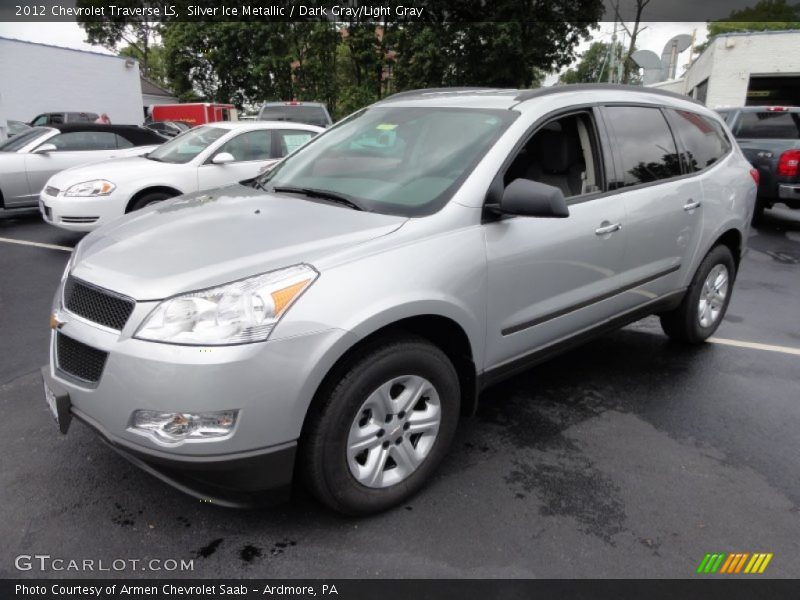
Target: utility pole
(612, 60)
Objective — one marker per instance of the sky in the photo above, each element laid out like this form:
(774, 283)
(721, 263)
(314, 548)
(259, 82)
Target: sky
(70, 35)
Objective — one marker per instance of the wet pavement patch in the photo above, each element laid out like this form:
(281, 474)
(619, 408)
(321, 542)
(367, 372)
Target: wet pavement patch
(208, 549)
(249, 553)
(279, 547)
(122, 516)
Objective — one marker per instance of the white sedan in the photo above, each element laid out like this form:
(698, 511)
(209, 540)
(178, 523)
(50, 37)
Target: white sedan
(205, 157)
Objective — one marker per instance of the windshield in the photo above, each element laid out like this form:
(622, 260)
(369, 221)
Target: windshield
(23, 139)
(403, 161)
(768, 125)
(297, 113)
(184, 147)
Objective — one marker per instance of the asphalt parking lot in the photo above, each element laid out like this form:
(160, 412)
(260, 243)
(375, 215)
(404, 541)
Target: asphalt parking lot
(630, 457)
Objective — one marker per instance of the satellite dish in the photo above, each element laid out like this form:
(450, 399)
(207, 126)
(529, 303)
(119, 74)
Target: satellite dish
(669, 56)
(647, 59)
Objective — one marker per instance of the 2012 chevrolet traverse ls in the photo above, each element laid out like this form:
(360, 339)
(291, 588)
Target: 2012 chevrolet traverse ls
(333, 318)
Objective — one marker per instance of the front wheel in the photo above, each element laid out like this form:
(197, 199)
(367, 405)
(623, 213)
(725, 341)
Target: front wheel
(383, 427)
(148, 199)
(704, 305)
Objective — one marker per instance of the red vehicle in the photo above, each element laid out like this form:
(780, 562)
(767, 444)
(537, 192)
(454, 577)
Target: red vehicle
(195, 113)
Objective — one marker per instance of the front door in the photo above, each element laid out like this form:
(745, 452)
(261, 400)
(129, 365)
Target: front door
(551, 278)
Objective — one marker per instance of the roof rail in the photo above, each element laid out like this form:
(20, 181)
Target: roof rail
(444, 90)
(582, 87)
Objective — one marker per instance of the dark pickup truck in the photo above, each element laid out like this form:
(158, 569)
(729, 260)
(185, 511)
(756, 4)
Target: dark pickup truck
(770, 138)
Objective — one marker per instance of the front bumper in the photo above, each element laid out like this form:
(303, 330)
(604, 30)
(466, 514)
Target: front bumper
(80, 214)
(241, 480)
(270, 383)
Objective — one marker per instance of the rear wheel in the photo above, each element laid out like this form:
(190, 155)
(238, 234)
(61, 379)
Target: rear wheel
(383, 427)
(704, 305)
(148, 199)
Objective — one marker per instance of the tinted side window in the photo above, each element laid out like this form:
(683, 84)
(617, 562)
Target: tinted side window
(122, 142)
(646, 146)
(84, 140)
(290, 140)
(703, 140)
(253, 145)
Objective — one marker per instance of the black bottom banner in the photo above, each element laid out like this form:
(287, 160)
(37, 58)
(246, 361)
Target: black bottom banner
(399, 589)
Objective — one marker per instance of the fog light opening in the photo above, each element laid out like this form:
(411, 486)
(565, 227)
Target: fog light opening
(177, 427)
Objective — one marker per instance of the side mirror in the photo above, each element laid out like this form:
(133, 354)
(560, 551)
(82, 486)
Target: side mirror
(45, 148)
(223, 158)
(528, 198)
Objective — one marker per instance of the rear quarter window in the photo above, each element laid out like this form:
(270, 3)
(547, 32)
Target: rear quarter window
(703, 139)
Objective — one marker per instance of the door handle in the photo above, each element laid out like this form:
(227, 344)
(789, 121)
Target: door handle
(606, 229)
(691, 205)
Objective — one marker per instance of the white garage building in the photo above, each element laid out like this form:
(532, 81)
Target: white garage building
(739, 69)
(38, 78)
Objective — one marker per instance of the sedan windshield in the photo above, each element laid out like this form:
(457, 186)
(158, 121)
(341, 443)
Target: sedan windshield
(403, 161)
(186, 146)
(23, 139)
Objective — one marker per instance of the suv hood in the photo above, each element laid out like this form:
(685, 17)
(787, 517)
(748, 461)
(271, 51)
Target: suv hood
(206, 239)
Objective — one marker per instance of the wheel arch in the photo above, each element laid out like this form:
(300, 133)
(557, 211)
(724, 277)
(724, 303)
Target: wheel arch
(442, 331)
(149, 190)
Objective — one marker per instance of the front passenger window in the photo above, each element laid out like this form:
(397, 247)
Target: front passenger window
(253, 145)
(563, 153)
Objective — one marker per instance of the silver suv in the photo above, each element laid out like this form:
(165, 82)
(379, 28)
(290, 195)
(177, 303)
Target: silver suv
(335, 317)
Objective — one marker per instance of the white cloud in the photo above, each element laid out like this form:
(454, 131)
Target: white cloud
(68, 35)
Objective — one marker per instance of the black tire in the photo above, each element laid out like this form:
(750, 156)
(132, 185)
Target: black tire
(683, 323)
(323, 447)
(758, 213)
(150, 198)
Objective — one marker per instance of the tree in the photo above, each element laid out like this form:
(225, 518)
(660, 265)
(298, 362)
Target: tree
(156, 63)
(766, 15)
(593, 66)
(525, 38)
(139, 34)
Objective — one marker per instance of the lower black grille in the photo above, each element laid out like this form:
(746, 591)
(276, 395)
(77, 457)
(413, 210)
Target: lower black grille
(79, 360)
(96, 304)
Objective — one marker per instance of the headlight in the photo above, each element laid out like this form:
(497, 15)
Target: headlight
(97, 187)
(237, 313)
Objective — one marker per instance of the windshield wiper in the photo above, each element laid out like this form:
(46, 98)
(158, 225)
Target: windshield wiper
(321, 194)
(148, 157)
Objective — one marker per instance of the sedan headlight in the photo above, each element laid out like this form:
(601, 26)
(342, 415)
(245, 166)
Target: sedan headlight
(96, 187)
(236, 313)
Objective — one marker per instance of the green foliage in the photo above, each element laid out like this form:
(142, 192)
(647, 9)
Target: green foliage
(766, 15)
(593, 66)
(349, 63)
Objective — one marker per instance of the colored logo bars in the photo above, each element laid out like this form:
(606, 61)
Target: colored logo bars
(734, 563)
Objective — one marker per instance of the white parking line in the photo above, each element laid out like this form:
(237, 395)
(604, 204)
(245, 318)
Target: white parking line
(36, 244)
(756, 346)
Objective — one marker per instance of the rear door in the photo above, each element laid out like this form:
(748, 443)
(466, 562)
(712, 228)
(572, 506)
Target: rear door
(663, 204)
(72, 149)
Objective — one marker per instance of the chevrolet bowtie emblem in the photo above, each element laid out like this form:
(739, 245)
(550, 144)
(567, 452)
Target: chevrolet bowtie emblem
(55, 322)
